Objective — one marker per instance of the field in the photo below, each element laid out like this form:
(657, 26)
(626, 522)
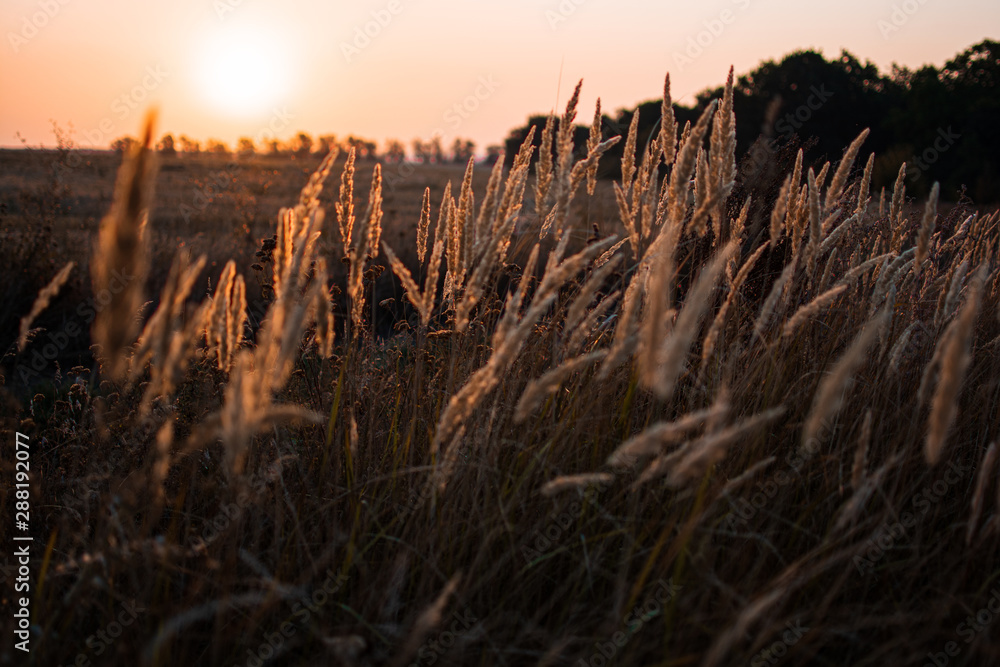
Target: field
(689, 417)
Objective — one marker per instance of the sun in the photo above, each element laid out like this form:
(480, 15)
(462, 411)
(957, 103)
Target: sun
(243, 71)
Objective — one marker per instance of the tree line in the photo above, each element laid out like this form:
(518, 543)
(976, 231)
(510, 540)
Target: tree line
(942, 122)
(303, 145)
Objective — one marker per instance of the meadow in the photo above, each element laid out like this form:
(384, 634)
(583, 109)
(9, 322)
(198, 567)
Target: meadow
(320, 412)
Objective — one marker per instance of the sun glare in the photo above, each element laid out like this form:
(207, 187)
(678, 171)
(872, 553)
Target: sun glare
(243, 72)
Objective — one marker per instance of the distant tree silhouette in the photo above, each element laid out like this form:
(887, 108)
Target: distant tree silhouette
(123, 144)
(363, 148)
(216, 146)
(394, 151)
(245, 147)
(428, 152)
(189, 145)
(462, 150)
(942, 123)
(493, 153)
(302, 145)
(436, 153)
(325, 143)
(421, 152)
(166, 145)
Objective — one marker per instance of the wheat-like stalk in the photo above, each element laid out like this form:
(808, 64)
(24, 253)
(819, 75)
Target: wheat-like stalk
(119, 265)
(489, 208)
(830, 395)
(543, 168)
(711, 338)
(950, 297)
(986, 470)
(722, 146)
(465, 223)
(653, 438)
(226, 317)
(45, 296)
(896, 353)
(699, 224)
(495, 244)
(711, 448)
(668, 125)
(364, 246)
(896, 210)
(566, 482)
(542, 387)
(345, 207)
(779, 211)
(771, 302)
(859, 471)
(423, 224)
(866, 180)
(811, 308)
(578, 307)
(583, 330)
(593, 139)
(623, 343)
(839, 179)
(512, 332)
(926, 228)
(322, 314)
(428, 620)
(167, 341)
(683, 168)
(955, 358)
(564, 181)
(671, 353)
(628, 157)
(815, 227)
(793, 193)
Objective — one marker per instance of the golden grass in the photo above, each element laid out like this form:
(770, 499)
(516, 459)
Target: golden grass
(626, 400)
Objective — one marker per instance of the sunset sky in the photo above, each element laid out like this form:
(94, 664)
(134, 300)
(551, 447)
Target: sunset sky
(411, 68)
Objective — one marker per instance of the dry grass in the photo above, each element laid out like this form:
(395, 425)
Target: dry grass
(557, 423)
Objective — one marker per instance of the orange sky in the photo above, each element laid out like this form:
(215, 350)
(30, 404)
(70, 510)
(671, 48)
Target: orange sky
(412, 68)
